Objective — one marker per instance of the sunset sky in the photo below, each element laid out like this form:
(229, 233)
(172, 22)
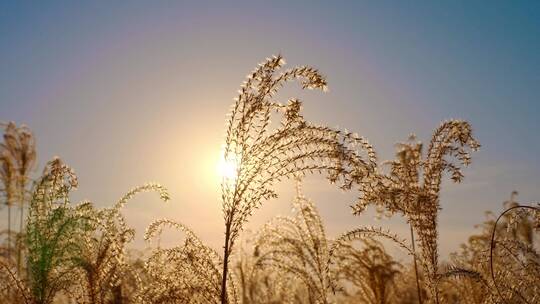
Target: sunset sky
(129, 93)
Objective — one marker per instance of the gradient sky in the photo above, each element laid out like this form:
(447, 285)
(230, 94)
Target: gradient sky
(128, 93)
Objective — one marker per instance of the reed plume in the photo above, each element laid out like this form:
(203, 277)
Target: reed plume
(103, 261)
(298, 246)
(412, 187)
(371, 271)
(54, 233)
(264, 285)
(18, 157)
(186, 273)
(262, 156)
(8, 179)
(328, 270)
(505, 254)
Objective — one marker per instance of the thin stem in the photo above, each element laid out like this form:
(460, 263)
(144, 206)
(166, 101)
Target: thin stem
(225, 264)
(9, 234)
(19, 241)
(492, 245)
(9, 241)
(415, 266)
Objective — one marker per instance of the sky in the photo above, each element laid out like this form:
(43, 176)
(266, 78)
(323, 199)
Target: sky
(130, 92)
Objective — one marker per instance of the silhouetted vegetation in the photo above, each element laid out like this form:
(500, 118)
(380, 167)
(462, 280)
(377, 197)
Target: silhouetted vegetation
(77, 253)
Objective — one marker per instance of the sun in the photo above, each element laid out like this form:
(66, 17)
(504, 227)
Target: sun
(227, 167)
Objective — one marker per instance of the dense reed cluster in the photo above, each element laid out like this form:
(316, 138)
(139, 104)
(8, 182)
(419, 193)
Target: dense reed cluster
(77, 253)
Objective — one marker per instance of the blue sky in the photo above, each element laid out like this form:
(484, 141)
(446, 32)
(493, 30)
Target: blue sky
(138, 91)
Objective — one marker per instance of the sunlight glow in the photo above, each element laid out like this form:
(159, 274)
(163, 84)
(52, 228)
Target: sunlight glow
(227, 168)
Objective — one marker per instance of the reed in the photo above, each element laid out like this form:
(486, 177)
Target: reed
(263, 156)
(78, 253)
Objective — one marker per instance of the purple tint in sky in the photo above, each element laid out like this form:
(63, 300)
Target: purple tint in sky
(127, 93)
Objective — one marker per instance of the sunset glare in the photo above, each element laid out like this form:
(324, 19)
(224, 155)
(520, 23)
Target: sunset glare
(269, 152)
(227, 168)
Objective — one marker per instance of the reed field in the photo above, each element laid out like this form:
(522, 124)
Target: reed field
(75, 252)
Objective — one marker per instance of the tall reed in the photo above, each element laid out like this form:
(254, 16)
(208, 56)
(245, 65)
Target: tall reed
(412, 187)
(54, 233)
(298, 245)
(18, 157)
(263, 156)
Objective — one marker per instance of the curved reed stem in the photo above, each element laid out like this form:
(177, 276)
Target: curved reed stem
(492, 245)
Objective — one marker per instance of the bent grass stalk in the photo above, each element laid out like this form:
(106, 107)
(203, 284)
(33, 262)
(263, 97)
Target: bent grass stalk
(265, 156)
